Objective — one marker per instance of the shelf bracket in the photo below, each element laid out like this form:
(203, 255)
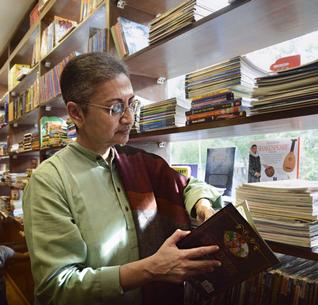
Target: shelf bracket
(121, 4)
(161, 80)
(161, 144)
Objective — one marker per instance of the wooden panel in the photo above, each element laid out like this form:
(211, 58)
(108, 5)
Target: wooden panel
(22, 54)
(153, 7)
(296, 119)
(148, 88)
(4, 74)
(225, 34)
(69, 9)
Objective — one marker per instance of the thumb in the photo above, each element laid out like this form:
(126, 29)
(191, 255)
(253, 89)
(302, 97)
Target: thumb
(176, 236)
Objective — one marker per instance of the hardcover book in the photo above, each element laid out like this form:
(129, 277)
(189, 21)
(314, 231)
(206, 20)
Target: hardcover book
(243, 253)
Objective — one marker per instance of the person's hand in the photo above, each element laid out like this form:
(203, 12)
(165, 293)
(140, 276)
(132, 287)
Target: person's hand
(257, 174)
(177, 265)
(203, 209)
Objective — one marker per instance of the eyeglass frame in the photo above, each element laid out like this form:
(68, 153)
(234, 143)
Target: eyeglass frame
(135, 104)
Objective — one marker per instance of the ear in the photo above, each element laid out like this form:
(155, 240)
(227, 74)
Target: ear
(76, 113)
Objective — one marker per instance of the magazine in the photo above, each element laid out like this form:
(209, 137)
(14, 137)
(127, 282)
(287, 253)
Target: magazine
(274, 160)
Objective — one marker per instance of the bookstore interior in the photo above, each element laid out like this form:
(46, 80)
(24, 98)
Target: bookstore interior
(227, 93)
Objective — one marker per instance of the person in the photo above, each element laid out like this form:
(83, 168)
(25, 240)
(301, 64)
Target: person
(101, 218)
(254, 165)
(6, 253)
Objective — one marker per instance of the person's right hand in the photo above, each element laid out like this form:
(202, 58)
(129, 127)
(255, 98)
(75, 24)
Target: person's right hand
(176, 265)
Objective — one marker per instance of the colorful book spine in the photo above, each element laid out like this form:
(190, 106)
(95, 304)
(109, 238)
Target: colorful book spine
(213, 112)
(217, 117)
(208, 108)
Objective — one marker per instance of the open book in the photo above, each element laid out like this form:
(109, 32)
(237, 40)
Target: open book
(243, 252)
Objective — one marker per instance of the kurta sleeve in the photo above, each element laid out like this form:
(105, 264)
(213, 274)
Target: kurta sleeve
(196, 190)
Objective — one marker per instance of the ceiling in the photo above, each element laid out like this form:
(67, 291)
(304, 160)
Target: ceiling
(11, 13)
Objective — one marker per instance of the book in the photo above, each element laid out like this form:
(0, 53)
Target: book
(274, 160)
(243, 253)
(129, 36)
(219, 168)
(212, 118)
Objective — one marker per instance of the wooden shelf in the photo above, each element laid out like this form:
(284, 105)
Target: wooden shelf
(226, 34)
(22, 54)
(303, 252)
(77, 39)
(153, 7)
(4, 130)
(295, 119)
(28, 152)
(55, 102)
(29, 118)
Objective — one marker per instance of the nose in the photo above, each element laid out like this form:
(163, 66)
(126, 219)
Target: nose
(128, 116)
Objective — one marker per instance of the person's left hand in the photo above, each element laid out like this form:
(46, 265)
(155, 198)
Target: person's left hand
(203, 209)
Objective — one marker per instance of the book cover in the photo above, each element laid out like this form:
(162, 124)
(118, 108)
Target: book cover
(243, 253)
(135, 34)
(193, 168)
(274, 160)
(219, 168)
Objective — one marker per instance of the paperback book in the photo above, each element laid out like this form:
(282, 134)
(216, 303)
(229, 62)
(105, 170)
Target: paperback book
(243, 253)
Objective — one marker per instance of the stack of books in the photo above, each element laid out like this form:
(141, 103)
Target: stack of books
(53, 131)
(284, 211)
(287, 89)
(220, 91)
(177, 18)
(164, 114)
(129, 36)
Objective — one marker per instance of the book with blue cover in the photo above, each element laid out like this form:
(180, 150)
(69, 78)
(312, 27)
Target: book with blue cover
(135, 35)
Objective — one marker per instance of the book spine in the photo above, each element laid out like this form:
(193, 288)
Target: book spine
(217, 117)
(215, 98)
(213, 112)
(205, 95)
(207, 108)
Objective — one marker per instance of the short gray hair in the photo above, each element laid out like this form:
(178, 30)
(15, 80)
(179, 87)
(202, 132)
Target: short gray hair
(83, 73)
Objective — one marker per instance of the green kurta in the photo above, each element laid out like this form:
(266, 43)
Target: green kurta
(79, 228)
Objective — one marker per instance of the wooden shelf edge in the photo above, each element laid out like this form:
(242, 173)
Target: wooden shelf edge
(184, 30)
(177, 133)
(297, 251)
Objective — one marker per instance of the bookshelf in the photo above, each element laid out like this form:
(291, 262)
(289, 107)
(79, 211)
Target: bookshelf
(217, 37)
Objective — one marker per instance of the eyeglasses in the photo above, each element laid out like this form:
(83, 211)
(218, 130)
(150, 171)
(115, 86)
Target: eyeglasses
(118, 109)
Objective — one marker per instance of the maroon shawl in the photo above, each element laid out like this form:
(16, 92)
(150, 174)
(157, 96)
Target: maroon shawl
(155, 194)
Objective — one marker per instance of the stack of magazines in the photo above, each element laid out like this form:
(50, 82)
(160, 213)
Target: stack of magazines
(161, 115)
(220, 91)
(177, 18)
(287, 89)
(284, 211)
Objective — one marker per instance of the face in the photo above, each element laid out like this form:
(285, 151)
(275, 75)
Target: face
(254, 149)
(99, 130)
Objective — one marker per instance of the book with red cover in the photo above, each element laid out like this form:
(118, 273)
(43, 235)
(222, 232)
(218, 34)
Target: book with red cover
(243, 253)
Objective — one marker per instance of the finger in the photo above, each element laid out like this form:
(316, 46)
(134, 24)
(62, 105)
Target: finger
(199, 252)
(176, 236)
(201, 266)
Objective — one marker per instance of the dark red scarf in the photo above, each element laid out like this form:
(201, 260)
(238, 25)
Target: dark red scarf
(155, 193)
